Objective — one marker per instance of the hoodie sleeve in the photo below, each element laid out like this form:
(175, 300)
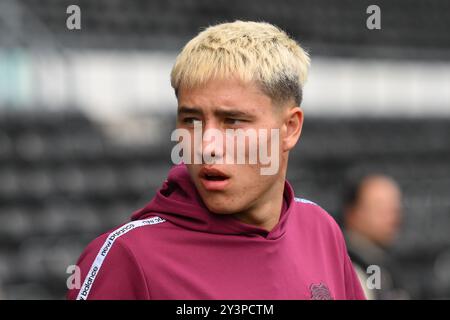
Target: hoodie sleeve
(353, 289)
(119, 277)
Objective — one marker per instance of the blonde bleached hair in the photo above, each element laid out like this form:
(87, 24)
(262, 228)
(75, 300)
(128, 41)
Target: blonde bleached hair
(256, 52)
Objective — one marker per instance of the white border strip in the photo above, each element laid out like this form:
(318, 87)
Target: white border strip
(336, 86)
(96, 265)
(304, 201)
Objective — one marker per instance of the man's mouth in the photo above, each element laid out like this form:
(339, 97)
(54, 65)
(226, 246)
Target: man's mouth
(213, 179)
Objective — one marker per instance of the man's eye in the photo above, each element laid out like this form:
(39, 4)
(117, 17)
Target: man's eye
(234, 121)
(190, 120)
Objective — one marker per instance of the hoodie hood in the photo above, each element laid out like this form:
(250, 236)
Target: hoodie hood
(179, 202)
(194, 254)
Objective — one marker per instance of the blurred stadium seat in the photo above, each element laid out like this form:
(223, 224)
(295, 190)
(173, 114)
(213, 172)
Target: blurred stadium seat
(55, 202)
(412, 27)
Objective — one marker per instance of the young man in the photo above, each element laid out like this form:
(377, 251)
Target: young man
(226, 229)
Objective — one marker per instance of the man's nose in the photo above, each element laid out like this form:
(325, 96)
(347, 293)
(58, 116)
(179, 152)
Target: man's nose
(212, 143)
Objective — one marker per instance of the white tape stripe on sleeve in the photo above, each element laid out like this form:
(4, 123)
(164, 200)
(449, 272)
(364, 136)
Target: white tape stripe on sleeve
(304, 201)
(96, 265)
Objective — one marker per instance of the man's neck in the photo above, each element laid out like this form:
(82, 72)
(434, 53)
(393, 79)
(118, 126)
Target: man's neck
(266, 213)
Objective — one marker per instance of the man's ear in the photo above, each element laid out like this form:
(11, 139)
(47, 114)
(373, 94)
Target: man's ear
(293, 124)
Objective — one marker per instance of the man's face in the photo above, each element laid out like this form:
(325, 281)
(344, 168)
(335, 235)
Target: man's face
(229, 104)
(379, 209)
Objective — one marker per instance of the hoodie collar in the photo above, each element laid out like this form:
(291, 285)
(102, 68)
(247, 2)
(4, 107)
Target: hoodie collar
(179, 202)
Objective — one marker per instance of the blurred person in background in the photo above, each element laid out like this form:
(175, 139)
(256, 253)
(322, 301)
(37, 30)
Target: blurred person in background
(372, 215)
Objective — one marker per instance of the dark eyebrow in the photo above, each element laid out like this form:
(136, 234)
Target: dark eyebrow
(190, 110)
(224, 113)
(232, 113)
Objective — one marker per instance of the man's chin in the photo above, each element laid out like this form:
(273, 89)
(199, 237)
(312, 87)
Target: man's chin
(220, 208)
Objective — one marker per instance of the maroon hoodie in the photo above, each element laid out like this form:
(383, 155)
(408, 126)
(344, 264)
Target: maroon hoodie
(174, 248)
